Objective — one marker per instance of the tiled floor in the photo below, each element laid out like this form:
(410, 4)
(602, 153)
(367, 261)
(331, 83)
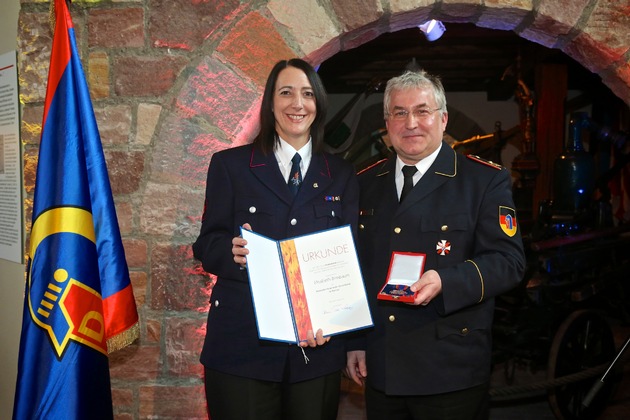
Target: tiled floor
(536, 406)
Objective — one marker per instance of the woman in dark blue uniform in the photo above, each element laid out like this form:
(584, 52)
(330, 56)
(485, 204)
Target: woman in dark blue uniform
(266, 187)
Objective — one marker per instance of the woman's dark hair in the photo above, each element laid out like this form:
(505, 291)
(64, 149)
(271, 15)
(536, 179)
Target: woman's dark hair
(267, 137)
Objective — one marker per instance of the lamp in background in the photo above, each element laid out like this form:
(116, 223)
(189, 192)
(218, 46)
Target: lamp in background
(432, 29)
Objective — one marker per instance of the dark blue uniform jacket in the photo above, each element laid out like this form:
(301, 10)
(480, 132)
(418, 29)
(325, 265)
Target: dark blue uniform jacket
(461, 215)
(245, 186)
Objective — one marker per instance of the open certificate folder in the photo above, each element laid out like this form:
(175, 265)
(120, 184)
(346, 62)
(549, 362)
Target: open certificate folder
(306, 283)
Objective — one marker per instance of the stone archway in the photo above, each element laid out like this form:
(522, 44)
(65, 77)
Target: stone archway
(224, 86)
(216, 105)
(203, 65)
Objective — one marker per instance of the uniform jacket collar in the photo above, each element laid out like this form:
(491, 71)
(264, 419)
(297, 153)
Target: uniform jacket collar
(443, 169)
(318, 177)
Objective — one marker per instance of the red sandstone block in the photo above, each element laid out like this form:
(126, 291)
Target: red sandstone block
(136, 363)
(124, 213)
(254, 46)
(184, 340)
(114, 124)
(135, 252)
(505, 19)
(459, 11)
(98, 75)
(139, 285)
(146, 76)
(564, 14)
(154, 331)
(215, 92)
(592, 54)
(170, 158)
(125, 170)
(359, 37)
(183, 402)
(122, 397)
(196, 20)
(408, 19)
(183, 149)
(609, 24)
(116, 28)
(172, 287)
(357, 13)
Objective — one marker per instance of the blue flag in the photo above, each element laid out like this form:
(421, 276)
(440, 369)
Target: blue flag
(79, 304)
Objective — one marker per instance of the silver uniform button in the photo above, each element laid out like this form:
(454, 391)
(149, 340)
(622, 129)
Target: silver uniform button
(293, 222)
(252, 209)
(216, 303)
(333, 213)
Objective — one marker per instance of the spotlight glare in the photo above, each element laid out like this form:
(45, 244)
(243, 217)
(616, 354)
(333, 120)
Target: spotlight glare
(432, 29)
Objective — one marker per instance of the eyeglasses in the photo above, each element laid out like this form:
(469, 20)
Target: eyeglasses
(418, 113)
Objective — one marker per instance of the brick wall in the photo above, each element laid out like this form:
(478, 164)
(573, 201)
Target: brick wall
(173, 81)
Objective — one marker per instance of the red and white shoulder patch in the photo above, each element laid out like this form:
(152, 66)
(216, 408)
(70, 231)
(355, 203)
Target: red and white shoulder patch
(372, 166)
(489, 163)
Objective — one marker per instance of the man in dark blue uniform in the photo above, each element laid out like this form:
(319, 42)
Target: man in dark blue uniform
(430, 359)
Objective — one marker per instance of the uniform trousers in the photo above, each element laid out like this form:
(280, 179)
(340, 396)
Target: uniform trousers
(232, 397)
(466, 404)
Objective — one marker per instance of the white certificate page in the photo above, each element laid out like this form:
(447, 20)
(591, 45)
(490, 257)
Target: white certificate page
(269, 292)
(332, 281)
(306, 283)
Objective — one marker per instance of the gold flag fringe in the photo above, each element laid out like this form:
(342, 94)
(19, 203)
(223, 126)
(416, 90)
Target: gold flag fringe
(123, 339)
(51, 17)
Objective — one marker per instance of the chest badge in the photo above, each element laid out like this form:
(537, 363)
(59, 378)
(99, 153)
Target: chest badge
(443, 247)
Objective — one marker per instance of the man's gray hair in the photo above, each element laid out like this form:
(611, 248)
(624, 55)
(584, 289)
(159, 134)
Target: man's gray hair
(418, 79)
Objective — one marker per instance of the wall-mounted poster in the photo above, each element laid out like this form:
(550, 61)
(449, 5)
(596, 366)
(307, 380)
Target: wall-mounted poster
(11, 214)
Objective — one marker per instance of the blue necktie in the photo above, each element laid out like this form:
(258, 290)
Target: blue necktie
(408, 172)
(295, 177)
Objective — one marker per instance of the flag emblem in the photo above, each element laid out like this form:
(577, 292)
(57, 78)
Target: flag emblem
(67, 304)
(507, 220)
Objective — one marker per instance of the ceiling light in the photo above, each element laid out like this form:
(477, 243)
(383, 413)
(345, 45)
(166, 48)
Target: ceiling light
(432, 29)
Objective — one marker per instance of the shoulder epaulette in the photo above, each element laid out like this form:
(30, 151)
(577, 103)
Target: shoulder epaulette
(489, 163)
(372, 166)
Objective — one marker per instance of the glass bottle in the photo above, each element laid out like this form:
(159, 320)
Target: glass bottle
(574, 171)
